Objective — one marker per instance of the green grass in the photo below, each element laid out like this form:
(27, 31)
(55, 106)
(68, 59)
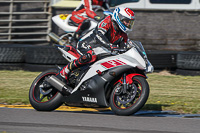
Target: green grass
(174, 92)
(167, 91)
(14, 86)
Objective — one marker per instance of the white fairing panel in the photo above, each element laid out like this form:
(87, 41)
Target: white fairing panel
(63, 24)
(67, 55)
(134, 59)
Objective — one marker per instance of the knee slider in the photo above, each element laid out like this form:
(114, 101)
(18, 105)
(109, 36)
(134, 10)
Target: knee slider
(86, 58)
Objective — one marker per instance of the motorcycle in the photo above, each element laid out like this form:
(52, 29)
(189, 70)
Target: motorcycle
(64, 22)
(116, 80)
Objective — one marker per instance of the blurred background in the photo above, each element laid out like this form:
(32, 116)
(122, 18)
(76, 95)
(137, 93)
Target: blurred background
(168, 29)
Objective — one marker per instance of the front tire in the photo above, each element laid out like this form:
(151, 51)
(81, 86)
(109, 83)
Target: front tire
(44, 99)
(133, 100)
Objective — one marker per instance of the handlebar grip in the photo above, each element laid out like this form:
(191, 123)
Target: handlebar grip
(56, 38)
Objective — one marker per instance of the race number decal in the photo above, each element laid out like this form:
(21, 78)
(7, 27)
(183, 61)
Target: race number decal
(63, 16)
(112, 63)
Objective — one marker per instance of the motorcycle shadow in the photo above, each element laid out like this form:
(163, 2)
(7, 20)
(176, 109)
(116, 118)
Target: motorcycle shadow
(149, 110)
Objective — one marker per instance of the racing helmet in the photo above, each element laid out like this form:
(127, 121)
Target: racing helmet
(124, 17)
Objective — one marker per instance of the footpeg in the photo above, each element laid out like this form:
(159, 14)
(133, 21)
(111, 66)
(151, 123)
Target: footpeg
(59, 85)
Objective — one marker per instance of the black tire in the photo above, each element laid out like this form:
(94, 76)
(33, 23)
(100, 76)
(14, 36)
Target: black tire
(12, 53)
(162, 59)
(188, 72)
(138, 101)
(44, 55)
(11, 66)
(39, 68)
(189, 60)
(54, 99)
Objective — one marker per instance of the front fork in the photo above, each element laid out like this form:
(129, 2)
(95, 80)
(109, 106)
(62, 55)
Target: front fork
(126, 80)
(124, 83)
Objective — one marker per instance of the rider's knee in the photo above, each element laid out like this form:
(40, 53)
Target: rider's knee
(85, 58)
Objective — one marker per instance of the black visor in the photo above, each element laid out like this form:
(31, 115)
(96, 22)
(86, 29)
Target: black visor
(126, 21)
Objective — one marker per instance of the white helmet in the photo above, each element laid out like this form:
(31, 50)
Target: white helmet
(124, 17)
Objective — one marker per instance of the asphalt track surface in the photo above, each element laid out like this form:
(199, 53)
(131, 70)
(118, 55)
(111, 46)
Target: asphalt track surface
(16, 120)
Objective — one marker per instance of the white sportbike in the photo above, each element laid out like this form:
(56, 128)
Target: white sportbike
(116, 80)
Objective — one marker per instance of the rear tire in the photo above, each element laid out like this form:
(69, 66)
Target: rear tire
(132, 102)
(51, 101)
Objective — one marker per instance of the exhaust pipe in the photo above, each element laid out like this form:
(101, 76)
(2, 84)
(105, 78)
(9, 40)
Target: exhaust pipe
(59, 85)
(57, 39)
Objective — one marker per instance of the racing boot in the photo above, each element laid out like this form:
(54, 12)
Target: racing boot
(64, 72)
(84, 59)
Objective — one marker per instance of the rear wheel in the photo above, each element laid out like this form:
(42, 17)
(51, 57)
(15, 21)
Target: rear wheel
(44, 97)
(132, 100)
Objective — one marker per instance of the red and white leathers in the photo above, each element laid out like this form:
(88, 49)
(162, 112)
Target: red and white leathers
(106, 34)
(85, 8)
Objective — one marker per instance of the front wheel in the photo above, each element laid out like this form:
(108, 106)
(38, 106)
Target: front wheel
(132, 100)
(44, 98)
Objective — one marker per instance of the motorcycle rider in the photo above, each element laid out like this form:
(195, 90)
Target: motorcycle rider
(86, 7)
(110, 32)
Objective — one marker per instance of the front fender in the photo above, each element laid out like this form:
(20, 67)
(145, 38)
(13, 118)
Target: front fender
(129, 77)
(114, 76)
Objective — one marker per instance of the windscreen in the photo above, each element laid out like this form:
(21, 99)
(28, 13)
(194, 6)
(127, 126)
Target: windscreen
(139, 47)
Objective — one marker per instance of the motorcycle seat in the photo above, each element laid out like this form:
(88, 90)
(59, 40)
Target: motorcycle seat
(72, 23)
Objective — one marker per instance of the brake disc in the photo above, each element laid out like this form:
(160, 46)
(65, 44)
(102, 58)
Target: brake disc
(128, 96)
